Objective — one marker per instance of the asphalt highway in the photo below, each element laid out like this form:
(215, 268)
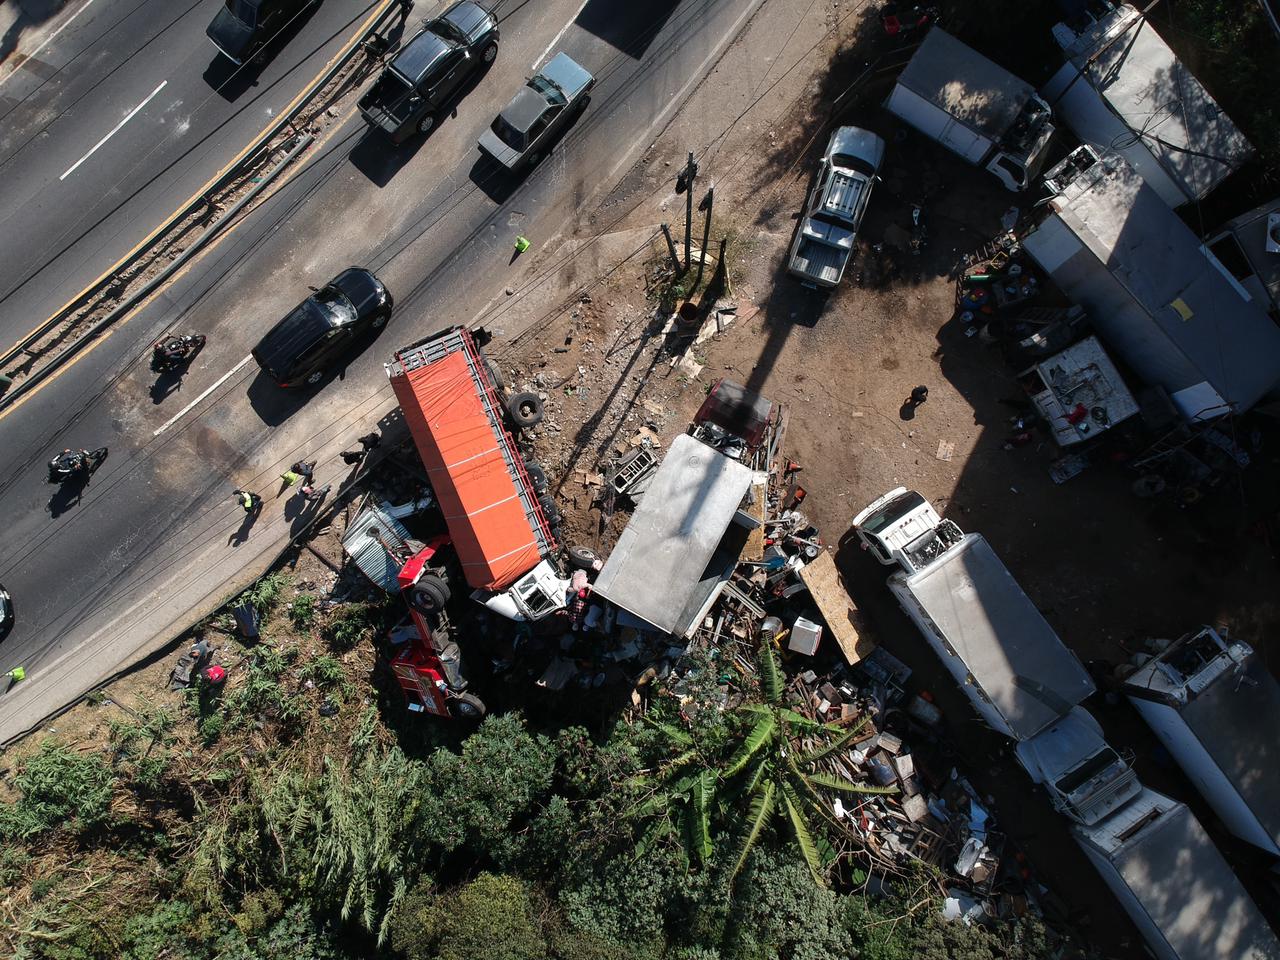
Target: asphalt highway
(116, 121)
(154, 540)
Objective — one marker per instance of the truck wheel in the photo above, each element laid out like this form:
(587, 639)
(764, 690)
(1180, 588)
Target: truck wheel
(525, 410)
(490, 52)
(537, 477)
(495, 374)
(429, 594)
(549, 510)
(427, 123)
(467, 706)
(584, 558)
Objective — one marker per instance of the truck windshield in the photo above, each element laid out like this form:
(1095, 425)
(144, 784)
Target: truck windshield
(846, 161)
(548, 89)
(1082, 774)
(892, 511)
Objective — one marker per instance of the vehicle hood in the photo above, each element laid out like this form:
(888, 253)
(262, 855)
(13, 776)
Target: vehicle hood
(495, 148)
(362, 288)
(1063, 747)
(856, 142)
(232, 36)
(566, 74)
(300, 328)
(471, 18)
(828, 233)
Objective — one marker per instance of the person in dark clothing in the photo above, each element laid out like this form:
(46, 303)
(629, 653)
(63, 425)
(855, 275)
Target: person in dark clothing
(312, 495)
(368, 442)
(919, 395)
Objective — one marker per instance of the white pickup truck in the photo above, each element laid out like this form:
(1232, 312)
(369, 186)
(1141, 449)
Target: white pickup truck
(1001, 651)
(824, 239)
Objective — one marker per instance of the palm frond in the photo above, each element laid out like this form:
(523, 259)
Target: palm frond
(846, 737)
(762, 807)
(675, 734)
(760, 734)
(698, 817)
(804, 839)
(770, 674)
(846, 786)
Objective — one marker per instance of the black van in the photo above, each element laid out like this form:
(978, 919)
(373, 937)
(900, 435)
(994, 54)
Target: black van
(324, 328)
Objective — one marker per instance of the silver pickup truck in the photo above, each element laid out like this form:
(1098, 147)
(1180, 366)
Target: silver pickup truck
(824, 240)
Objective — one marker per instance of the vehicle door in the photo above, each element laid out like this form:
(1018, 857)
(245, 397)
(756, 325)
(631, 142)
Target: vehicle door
(450, 74)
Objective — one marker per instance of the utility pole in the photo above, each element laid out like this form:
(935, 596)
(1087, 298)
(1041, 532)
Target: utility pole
(684, 184)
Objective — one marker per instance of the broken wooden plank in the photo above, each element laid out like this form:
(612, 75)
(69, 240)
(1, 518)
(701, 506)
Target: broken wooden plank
(754, 549)
(827, 588)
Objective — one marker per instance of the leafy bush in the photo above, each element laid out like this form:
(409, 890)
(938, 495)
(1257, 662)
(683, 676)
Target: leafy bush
(327, 673)
(351, 625)
(490, 918)
(59, 787)
(297, 935)
(303, 610)
(265, 594)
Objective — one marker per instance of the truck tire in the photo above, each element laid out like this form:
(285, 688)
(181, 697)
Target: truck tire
(584, 558)
(427, 123)
(429, 594)
(466, 706)
(549, 510)
(489, 53)
(495, 374)
(525, 410)
(537, 477)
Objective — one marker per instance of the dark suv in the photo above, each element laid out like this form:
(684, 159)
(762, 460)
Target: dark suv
(430, 69)
(242, 27)
(324, 328)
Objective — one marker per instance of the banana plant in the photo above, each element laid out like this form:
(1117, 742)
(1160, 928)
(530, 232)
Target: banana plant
(770, 770)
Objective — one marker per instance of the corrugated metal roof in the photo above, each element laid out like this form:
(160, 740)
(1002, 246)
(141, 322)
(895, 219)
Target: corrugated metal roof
(364, 544)
(1158, 97)
(658, 563)
(966, 84)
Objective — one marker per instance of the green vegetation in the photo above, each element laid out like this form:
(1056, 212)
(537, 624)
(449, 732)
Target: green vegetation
(247, 822)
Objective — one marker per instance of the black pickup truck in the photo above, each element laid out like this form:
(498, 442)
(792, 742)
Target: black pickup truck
(429, 69)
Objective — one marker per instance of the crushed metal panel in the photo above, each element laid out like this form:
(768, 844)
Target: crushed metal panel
(364, 544)
(662, 554)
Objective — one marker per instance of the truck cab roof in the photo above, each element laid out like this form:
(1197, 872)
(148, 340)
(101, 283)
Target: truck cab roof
(891, 524)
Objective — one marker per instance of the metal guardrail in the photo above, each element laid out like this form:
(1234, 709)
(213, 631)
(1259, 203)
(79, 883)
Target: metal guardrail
(237, 168)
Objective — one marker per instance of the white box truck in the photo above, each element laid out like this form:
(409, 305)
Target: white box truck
(1213, 704)
(1172, 881)
(956, 96)
(1001, 651)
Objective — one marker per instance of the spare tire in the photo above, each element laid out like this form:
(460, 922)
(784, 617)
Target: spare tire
(538, 478)
(495, 374)
(429, 594)
(584, 558)
(525, 410)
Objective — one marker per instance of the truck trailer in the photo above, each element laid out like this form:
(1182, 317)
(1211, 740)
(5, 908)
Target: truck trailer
(993, 119)
(1001, 651)
(1172, 881)
(1216, 708)
(499, 526)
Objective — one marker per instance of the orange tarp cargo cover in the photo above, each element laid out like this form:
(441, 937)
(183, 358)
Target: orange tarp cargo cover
(477, 494)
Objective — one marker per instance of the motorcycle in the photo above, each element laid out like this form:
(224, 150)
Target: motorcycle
(172, 352)
(70, 464)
